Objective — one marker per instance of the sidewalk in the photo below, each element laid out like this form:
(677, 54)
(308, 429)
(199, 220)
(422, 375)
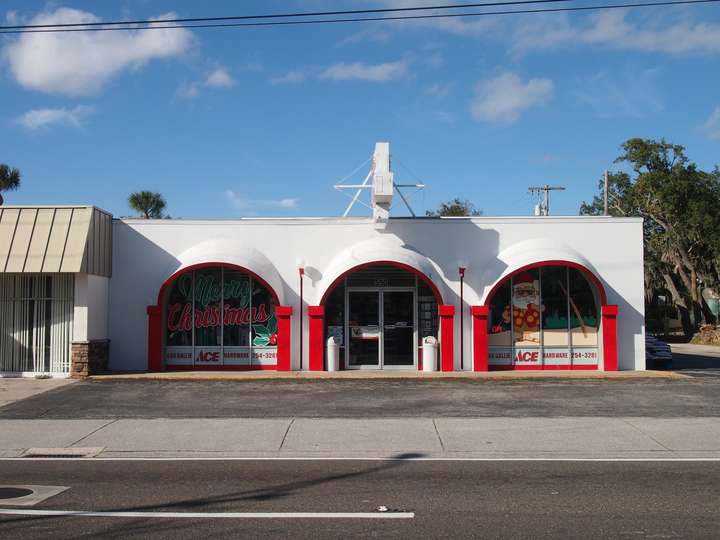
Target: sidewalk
(14, 389)
(491, 438)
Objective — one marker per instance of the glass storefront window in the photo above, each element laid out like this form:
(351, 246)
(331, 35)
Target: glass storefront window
(526, 309)
(208, 307)
(179, 312)
(219, 316)
(335, 314)
(555, 307)
(584, 320)
(429, 320)
(545, 316)
(500, 334)
(237, 296)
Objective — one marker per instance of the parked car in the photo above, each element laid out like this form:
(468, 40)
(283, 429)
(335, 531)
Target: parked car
(657, 353)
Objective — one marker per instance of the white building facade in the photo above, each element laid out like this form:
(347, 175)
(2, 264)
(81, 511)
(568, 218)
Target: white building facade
(496, 293)
(82, 292)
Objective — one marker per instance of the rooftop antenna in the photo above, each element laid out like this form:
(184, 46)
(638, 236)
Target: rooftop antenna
(382, 187)
(543, 208)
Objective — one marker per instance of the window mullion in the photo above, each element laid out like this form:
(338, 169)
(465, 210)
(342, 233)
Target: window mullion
(569, 313)
(250, 321)
(222, 319)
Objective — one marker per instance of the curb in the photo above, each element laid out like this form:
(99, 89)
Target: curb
(360, 375)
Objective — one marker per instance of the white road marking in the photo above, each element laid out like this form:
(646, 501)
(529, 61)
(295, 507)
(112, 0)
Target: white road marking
(210, 515)
(376, 458)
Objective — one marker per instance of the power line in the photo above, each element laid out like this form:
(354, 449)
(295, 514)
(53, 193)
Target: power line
(288, 15)
(161, 24)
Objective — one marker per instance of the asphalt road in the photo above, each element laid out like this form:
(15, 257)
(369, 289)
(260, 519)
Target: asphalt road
(448, 499)
(692, 397)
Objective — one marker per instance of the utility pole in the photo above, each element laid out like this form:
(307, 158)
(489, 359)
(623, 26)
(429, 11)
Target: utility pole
(544, 207)
(605, 194)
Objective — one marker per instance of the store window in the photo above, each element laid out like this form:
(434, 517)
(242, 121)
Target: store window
(36, 322)
(218, 316)
(544, 317)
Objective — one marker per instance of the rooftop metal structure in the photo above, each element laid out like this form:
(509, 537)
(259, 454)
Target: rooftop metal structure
(382, 187)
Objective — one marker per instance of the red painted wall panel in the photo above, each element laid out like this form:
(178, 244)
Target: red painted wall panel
(283, 314)
(447, 336)
(316, 338)
(609, 331)
(480, 337)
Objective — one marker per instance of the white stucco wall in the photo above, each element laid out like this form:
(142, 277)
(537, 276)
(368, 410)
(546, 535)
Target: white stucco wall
(91, 313)
(147, 252)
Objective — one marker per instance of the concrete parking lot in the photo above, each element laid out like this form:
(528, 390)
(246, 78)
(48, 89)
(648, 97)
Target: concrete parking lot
(696, 360)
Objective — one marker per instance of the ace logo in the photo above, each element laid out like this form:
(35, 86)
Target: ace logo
(527, 356)
(208, 357)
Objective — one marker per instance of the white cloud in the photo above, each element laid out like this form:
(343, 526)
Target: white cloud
(294, 76)
(439, 90)
(242, 203)
(188, 90)
(373, 33)
(671, 31)
(82, 63)
(673, 34)
(219, 78)
(360, 71)
(342, 71)
(444, 116)
(628, 93)
(435, 60)
(504, 98)
(711, 127)
(460, 26)
(43, 118)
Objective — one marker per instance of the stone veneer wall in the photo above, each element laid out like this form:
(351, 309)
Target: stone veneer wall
(89, 357)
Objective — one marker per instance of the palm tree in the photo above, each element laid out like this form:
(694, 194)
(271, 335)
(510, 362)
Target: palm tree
(9, 179)
(148, 203)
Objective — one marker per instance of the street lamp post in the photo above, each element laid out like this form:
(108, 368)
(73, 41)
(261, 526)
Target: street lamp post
(462, 267)
(301, 273)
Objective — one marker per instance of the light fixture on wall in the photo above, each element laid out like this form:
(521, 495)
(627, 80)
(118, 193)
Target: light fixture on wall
(300, 263)
(462, 265)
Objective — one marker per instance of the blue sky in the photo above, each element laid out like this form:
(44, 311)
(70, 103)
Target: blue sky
(264, 121)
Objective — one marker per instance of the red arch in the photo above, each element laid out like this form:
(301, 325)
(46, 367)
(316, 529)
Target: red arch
(407, 267)
(590, 275)
(192, 267)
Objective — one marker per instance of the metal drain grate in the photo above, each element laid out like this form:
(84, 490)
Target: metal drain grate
(14, 492)
(27, 495)
(72, 452)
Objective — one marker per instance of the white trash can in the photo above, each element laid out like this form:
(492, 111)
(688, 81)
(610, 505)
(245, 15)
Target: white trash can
(429, 354)
(333, 353)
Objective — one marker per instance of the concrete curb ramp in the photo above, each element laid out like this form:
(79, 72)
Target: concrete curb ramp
(380, 375)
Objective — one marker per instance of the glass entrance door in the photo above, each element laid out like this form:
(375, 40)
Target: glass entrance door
(381, 329)
(398, 328)
(363, 329)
